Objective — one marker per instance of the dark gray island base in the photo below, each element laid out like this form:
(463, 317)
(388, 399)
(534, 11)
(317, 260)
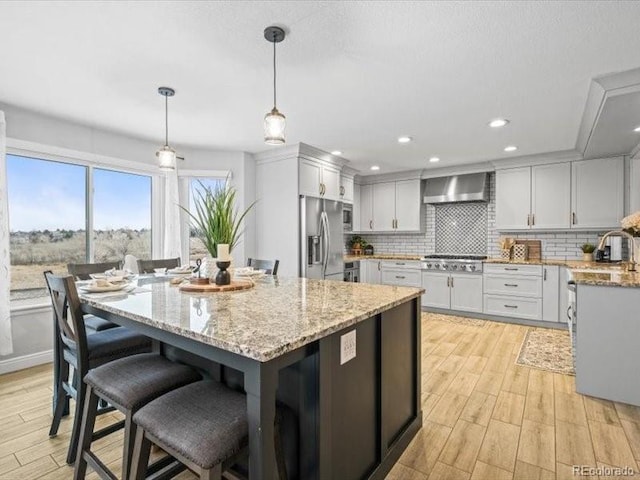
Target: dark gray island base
(288, 340)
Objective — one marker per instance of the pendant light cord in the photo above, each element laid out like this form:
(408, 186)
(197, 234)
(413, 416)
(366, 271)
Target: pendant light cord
(166, 120)
(274, 70)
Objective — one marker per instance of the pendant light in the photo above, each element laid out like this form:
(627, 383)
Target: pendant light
(274, 121)
(166, 155)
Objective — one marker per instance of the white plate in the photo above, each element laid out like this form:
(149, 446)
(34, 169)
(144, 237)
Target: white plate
(177, 271)
(94, 289)
(249, 273)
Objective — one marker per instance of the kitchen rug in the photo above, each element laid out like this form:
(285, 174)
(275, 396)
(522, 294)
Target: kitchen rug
(474, 322)
(547, 349)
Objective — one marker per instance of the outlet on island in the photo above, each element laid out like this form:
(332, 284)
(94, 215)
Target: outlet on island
(347, 347)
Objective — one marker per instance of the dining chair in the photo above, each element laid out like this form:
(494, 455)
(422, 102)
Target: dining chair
(127, 384)
(203, 425)
(270, 266)
(149, 266)
(81, 351)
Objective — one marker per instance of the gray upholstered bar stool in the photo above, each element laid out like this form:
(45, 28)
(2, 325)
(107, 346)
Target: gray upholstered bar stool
(203, 425)
(127, 384)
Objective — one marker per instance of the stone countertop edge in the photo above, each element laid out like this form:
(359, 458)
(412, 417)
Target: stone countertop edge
(263, 355)
(382, 256)
(623, 279)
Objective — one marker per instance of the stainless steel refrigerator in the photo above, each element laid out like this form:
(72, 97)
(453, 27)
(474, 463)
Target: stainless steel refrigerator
(321, 240)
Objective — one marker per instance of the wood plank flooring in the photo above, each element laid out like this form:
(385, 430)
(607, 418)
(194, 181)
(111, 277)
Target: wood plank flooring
(485, 418)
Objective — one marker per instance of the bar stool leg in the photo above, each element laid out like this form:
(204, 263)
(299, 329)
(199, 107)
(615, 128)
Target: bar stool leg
(141, 452)
(86, 433)
(61, 401)
(214, 473)
(81, 396)
(129, 442)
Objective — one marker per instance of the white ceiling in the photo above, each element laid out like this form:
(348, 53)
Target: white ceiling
(353, 76)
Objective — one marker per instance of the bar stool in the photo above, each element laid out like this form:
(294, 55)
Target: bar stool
(127, 384)
(203, 425)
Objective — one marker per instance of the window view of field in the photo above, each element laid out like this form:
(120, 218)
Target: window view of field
(48, 217)
(34, 252)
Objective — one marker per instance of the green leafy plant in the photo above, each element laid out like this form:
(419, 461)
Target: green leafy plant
(216, 219)
(588, 248)
(357, 240)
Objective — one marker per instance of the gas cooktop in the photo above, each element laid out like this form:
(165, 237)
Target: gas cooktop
(460, 263)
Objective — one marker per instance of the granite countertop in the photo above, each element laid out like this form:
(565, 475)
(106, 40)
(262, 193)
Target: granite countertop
(613, 279)
(382, 256)
(560, 263)
(276, 316)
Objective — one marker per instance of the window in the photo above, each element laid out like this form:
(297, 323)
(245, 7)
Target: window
(49, 212)
(121, 215)
(196, 247)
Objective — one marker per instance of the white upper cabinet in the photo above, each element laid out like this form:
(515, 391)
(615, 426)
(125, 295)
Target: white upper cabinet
(408, 205)
(597, 193)
(346, 188)
(550, 196)
(319, 180)
(384, 206)
(513, 198)
(366, 208)
(390, 207)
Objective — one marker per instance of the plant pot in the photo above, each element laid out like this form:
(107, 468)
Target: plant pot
(587, 257)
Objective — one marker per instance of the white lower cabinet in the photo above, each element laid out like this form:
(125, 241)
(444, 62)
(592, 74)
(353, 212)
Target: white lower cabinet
(519, 307)
(370, 271)
(462, 292)
(436, 290)
(466, 292)
(552, 290)
(404, 273)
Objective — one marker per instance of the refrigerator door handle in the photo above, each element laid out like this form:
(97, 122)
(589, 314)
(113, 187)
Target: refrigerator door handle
(326, 242)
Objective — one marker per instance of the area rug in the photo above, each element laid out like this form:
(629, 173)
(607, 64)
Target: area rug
(438, 317)
(547, 349)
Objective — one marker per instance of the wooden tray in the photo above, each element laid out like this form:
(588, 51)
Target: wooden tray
(212, 287)
(534, 248)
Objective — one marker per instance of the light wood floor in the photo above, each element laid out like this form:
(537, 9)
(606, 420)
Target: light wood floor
(485, 418)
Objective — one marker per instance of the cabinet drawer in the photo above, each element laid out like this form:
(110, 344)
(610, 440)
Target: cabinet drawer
(516, 285)
(405, 278)
(518, 307)
(400, 264)
(513, 269)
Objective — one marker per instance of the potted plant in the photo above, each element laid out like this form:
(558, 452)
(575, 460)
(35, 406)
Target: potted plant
(587, 252)
(357, 243)
(216, 220)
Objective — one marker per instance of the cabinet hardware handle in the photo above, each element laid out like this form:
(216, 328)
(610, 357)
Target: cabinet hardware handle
(448, 282)
(400, 263)
(533, 219)
(511, 306)
(511, 269)
(370, 224)
(378, 266)
(573, 218)
(510, 284)
(528, 220)
(451, 282)
(544, 274)
(400, 276)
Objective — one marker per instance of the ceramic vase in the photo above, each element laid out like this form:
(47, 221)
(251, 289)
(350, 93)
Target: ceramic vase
(587, 257)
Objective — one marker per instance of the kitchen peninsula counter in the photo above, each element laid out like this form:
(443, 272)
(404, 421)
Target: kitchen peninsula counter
(344, 357)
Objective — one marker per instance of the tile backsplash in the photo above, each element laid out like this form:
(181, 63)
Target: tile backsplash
(470, 228)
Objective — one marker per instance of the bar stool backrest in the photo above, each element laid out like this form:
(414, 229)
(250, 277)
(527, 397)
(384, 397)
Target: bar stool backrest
(83, 271)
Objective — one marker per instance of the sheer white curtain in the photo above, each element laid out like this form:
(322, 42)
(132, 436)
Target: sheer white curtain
(6, 345)
(172, 246)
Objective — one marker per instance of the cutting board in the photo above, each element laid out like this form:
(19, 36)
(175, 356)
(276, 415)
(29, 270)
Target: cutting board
(212, 287)
(534, 248)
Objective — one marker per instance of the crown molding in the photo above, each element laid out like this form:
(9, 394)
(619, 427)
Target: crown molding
(388, 177)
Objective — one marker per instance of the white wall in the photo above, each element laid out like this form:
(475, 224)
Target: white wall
(32, 330)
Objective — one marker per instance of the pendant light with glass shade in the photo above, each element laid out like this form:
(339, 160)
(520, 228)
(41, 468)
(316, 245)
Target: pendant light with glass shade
(274, 121)
(166, 155)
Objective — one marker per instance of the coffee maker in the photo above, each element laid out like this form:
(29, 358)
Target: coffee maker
(612, 251)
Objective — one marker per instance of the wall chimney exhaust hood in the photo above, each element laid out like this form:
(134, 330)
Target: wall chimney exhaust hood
(472, 187)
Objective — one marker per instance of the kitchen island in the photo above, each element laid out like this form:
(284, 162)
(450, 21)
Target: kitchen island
(344, 357)
(607, 335)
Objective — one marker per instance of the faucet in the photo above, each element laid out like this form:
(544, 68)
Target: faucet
(622, 233)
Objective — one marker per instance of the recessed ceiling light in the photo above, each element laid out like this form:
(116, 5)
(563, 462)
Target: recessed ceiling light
(510, 148)
(375, 167)
(637, 129)
(434, 159)
(498, 122)
(404, 139)
(336, 152)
